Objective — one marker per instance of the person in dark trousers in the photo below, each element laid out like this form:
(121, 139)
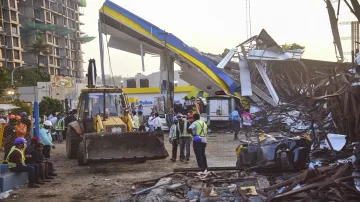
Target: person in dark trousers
(199, 132)
(174, 138)
(236, 121)
(185, 138)
(142, 120)
(16, 162)
(70, 118)
(46, 167)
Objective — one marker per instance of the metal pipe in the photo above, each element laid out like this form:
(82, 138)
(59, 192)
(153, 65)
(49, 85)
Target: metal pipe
(101, 45)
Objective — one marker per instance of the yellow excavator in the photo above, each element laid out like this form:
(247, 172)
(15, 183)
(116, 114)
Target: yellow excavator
(100, 133)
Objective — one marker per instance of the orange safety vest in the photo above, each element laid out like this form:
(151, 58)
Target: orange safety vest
(21, 130)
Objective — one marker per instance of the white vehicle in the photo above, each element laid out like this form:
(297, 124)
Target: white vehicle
(164, 124)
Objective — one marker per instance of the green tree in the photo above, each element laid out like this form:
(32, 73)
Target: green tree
(30, 77)
(225, 52)
(38, 47)
(49, 106)
(292, 46)
(4, 81)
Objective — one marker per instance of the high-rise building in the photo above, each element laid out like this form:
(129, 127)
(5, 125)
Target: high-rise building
(57, 23)
(10, 43)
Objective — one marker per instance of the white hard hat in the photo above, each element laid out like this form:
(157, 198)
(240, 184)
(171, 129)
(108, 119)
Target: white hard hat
(47, 123)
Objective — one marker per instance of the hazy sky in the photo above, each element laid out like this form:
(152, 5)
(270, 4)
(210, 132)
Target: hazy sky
(213, 25)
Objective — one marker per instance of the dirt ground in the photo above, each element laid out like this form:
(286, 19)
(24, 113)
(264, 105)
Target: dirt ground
(113, 181)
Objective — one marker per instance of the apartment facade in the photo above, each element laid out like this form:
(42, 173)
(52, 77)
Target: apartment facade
(10, 40)
(57, 21)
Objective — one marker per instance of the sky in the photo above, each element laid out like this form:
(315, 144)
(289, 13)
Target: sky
(213, 25)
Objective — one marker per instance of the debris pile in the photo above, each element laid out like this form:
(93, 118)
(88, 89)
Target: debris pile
(329, 183)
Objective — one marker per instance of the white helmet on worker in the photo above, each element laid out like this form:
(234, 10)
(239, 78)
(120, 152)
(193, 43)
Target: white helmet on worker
(47, 123)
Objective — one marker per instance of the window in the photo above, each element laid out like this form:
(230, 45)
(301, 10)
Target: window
(17, 54)
(42, 59)
(13, 15)
(50, 39)
(17, 64)
(48, 16)
(56, 40)
(55, 20)
(14, 29)
(1, 40)
(16, 42)
(51, 60)
(37, 14)
(67, 53)
(68, 63)
(57, 51)
(57, 62)
(65, 22)
(66, 43)
(57, 71)
(12, 3)
(73, 65)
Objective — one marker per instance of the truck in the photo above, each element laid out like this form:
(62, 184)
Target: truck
(218, 110)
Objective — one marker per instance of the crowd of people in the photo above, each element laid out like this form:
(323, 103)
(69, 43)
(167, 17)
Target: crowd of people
(25, 154)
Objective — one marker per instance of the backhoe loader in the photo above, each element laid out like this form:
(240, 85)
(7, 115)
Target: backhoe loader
(100, 134)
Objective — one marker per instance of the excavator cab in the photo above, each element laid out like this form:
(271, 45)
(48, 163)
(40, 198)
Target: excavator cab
(101, 134)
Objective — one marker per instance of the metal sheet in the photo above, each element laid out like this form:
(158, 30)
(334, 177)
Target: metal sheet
(267, 81)
(227, 58)
(245, 79)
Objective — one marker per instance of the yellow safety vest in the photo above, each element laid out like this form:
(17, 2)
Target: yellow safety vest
(60, 125)
(13, 165)
(185, 132)
(136, 122)
(201, 128)
(173, 130)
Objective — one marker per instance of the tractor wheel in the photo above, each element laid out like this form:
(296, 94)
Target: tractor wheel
(81, 154)
(72, 143)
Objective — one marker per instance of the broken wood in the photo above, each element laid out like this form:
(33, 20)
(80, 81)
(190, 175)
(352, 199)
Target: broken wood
(176, 170)
(158, 190)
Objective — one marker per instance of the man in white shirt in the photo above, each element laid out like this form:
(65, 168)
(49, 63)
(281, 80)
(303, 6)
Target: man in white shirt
(151, 122)
(157, 122)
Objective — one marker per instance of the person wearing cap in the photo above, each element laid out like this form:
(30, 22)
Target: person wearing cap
(185, 138)
(142, 120)
(199, 132)
(46, 139)
(16, 163)
(20, 128)
(9, 135)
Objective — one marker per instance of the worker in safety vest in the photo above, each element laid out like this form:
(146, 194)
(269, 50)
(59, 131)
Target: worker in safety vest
(136, 121)
(16, 163)
(199, 132)
(59, 128)
(185, 138)
(174, 138)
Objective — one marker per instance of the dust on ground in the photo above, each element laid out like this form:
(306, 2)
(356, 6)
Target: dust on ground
(114, 181)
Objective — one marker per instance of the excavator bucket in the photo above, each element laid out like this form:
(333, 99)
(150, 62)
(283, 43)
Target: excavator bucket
(126, 146)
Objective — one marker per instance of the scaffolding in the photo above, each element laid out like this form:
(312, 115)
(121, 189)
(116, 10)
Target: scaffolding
(31, 28)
